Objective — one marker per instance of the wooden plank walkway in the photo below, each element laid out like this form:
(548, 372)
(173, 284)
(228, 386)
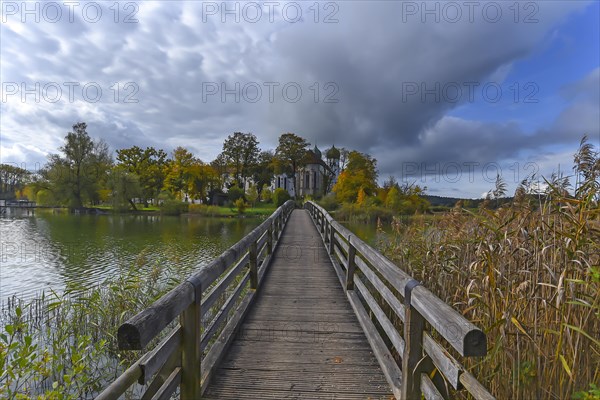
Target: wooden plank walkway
(301, 339)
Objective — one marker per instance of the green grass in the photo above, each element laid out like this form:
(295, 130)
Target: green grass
(139, 207)
(260, 209)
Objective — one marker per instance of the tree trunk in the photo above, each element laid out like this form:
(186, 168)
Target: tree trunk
(132, 204)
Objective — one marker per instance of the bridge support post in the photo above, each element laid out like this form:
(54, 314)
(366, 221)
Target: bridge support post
(331, 239)
(414, 326)
(270, 239)
(279, 223)
(191, 355)
(253, 266)
(351, 267)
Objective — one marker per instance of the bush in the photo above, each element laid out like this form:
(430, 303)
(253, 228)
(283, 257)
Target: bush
(173, 207)
(329, 202)
(280, 196)
(266, 195)
(368, 213)
(45, 198)
(203, 209)
(241, 205)
(252, 195)
(235, 193)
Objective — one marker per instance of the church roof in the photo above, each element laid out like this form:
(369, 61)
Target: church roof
(317, 152)
(333, 153)
(312, 158)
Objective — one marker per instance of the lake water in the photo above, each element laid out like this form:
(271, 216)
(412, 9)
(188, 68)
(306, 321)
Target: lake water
(369, 233)
(59, 251)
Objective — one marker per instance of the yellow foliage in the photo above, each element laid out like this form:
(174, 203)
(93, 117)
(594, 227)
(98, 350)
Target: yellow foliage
(362, 197)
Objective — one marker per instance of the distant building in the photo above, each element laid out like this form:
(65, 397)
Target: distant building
(316, 178)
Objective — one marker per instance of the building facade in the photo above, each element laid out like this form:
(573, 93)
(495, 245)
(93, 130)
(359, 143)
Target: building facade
(316, 178)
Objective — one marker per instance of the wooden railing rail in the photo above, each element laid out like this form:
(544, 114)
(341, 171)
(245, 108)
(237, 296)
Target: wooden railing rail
(407, 326)
(208, 307)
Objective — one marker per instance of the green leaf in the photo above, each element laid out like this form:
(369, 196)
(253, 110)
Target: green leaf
(566, 366)
(584, 333)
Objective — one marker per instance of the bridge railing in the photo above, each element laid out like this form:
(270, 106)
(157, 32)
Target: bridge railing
(196, 338)
(407, 326)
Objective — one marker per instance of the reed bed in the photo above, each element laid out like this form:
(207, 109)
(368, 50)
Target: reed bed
(528, 273)
(64, 346)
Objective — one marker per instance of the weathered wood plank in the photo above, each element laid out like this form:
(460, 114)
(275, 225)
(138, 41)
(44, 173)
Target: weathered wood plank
(162, 375)
(219, 319)
(191, 353)
(136, 333)
(465, 337)
(412, 366)
(430, 392)
(389, 328)
(122, 383)
(444, 362)
(301, 334)
(154, 360)
(477, 390)
(209, 299)
(217, 350)
(168, 388)
(383, 290)
(387, 362)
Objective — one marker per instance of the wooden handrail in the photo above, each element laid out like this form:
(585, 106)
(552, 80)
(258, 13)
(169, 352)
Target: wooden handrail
(179, 359)
(374, 283)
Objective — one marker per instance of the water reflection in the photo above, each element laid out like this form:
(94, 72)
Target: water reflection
(55, 251)
(370, 233)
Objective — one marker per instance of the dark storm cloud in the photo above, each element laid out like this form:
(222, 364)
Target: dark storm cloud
(369, 56)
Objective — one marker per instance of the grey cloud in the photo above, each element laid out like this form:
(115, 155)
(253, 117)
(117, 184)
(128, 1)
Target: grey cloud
(369, 54)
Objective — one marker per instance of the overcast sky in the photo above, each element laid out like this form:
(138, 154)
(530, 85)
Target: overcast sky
(445, 96)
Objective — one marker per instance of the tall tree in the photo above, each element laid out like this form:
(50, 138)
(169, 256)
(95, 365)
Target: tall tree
(219, 164)
(178, 172)
(149, 165)
(125, 186)
(241, 153)
(360, 173)
(264, 170)
(12, 180)
(290, 153)
(201, 179)
(76, 176)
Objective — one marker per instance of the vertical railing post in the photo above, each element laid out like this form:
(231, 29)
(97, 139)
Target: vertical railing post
(252, 253)
(280, 223)
(191, 356)
(351, 266)
(270, 239)
(414, 325)
(331, 239)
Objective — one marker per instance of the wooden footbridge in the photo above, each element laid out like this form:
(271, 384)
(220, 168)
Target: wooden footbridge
(299, 309)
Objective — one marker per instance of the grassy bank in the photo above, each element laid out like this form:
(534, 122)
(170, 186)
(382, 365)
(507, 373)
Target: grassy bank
(177, 208)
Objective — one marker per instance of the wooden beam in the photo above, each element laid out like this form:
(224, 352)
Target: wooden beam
(465, 337)
(253, 262)
(414, 326)
(191, 354)
(137, 332)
